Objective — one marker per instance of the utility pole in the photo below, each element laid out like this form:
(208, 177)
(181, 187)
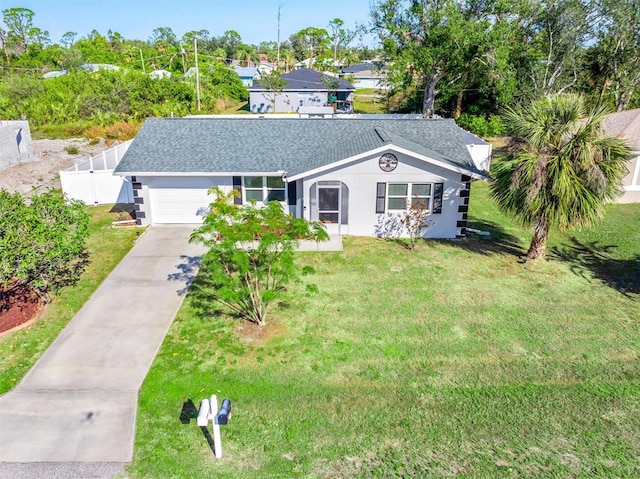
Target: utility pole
(142, 58)
(278, 61)
(195, 47)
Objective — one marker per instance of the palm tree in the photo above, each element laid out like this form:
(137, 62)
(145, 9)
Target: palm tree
(561, 167)
(246, 54)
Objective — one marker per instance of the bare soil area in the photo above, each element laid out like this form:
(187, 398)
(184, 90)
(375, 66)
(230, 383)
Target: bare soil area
(18, 305)
(50, 156)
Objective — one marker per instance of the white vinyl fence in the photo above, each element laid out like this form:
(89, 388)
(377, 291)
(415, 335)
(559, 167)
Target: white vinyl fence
(92, 181)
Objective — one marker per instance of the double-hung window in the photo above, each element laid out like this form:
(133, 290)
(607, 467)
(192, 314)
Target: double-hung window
(264, 188)
(402, 195)
(398, 196)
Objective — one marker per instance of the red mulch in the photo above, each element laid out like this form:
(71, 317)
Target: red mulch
(18, 305)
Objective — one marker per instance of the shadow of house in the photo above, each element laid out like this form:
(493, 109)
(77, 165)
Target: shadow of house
(497, 242)
(593, 260)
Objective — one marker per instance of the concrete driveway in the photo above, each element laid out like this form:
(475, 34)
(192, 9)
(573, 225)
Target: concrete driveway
(74, 413)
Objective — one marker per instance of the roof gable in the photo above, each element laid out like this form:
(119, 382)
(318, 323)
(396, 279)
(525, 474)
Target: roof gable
(216, 145)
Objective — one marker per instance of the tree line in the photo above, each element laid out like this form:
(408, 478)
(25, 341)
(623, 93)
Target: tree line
(479, 56)
(466, 59)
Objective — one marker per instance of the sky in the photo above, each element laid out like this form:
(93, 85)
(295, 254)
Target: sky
(254, 20)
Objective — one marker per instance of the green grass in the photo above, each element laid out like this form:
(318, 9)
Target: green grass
(366, 100)
(107, 246)
(451, 361)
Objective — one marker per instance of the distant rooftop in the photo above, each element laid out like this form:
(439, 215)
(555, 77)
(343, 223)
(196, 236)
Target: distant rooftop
(306, 79)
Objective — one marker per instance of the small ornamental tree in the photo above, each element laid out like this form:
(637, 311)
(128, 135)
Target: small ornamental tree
(414, 219)
(250, 259)
(42, 244)
(273, 85)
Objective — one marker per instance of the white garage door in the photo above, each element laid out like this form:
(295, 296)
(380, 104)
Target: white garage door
(179, 200)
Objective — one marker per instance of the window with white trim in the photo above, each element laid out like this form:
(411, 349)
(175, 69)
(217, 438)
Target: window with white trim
(264, 188)
(401, 195)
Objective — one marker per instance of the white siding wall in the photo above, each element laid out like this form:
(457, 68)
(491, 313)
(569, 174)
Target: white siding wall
(286, 102)
(631, 182)
(481, 156)
(361, 178)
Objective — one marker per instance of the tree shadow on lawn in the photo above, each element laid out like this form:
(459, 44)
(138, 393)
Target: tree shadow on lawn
(202, 291)
(623, 275)
(187, 271)
(498, 242)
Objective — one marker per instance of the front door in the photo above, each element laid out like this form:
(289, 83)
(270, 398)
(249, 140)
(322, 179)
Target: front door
(329, 208)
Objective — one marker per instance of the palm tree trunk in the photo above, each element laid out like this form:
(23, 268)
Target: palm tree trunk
(539, 240)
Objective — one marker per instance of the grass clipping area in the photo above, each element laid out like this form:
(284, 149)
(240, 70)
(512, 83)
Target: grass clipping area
(107, 246)
(451, 361)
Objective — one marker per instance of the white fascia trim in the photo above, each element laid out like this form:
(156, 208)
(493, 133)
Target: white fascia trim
(339, 163)
(636, 170)
(383, 149)
(631, 188)
(200, 173)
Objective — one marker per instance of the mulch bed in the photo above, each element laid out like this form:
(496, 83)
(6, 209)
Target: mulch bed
(18, 305)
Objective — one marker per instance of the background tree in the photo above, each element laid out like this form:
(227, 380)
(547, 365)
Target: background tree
(20, 29)
(558, 29)
(250, 259)
(68, 39)
(616, 56)
(3, 44)
(247, 55)
(340, 37)
(426, 41)
(561, 168)
(315, 41)
(268, 48)
(230, 41)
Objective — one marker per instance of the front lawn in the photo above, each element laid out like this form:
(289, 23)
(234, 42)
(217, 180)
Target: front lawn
(20, 350)
(454, 360)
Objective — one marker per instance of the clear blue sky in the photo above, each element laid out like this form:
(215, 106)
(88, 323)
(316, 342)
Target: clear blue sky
(254, 20)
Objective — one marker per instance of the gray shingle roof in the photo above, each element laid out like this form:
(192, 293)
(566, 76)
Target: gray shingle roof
(625, 125)
(227, 145)
(306, 79)
(362, 67)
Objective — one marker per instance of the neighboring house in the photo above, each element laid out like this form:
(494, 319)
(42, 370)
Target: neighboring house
(626, 126)
(248, 74)
(15, 142)
(54, 74)
(88, 67)
(305, 88)
(159, 74)
(366, 75)
(94, 67)
(266, 68)
(354, 175)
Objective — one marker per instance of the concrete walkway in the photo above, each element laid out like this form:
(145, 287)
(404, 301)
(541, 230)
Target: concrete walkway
(74, 413)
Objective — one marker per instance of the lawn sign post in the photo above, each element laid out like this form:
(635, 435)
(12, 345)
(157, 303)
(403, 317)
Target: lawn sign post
(207, 413)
